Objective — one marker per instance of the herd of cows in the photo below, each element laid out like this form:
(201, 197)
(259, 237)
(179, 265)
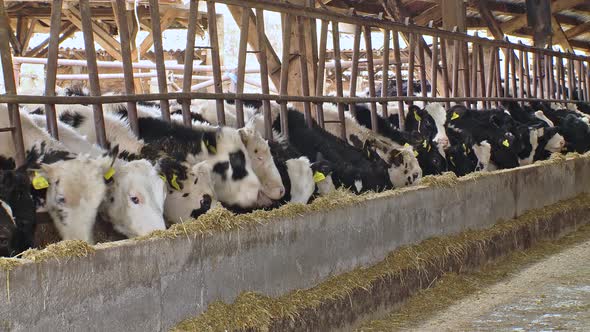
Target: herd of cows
(170, 173)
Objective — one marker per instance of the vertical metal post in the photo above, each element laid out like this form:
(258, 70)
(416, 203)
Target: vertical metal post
(456, 58)
(86, 18)
(444, 69)
(188, 60)
(465, 62)
(159, 57)
(10, 85)
(285, 62)
(127, 64)
(51, 72)
(398, 79)
(482, 72)
(513, 73)
(571, 76)
(434, 74)
(319, 85)
(304, 72)
(264, 73)
(490, 82)
(422, 60)
(474, 68)
(385, 73)
(214, 39)
(498, 73)
(354, 72)
(338, 72)
(242, 52)
(411, 66)
(371, 74)
(507, 73)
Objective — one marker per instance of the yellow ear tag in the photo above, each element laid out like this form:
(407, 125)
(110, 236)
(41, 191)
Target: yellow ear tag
(210, 147)
(109, 174)
(406, 145)
(40, 182)
(454, 116)
(415, 153)
(417, 117)
(173, 182)
(429, 148)
(162, 177)
(318, 177)
(425, 144)
(505, 143)
(464, 147)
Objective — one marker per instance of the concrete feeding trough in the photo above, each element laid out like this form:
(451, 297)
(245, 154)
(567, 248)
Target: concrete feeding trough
(153, 283)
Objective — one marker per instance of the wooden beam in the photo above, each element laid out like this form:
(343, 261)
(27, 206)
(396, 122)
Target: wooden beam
(559, 36)
(165, 21)
(521, 20)
(273, 61)
(453, 14)
(103, 37)
(433, 13)
(577, 30)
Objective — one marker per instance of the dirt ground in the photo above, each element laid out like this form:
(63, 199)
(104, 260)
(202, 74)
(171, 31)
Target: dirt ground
(546, 288)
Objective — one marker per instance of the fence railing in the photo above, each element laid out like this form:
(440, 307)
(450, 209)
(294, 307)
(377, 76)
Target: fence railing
(460, 68)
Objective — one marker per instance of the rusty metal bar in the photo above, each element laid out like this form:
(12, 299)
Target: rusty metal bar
(550, 76)
(536, 75)
(51, 68)
(434, 74)
(527, 73)
(127, 63)
(398, 80)
(319, 86)
(513, 73)
(559, 84)
(386, 42)
(507, 72)
(338, 72)
(159, 57)
(521, 63)
(422, 59)
(498, 74)
(490, 81)
(214, 44)
(465, 62)
(540, 73)
(474, 70)
(188, 61)
(10, 86)
(371, 74)
(242, 53)
(285, 62)
(579, 80)
(355, 65)
(304, 72)
(444, 70)
(86, 17)
(456, 58)
(260, 31)
(482, 72)
(571, 76)
(412, 62)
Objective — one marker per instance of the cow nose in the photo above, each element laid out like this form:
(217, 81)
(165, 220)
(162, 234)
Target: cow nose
(282, 191)
(443, 142)
(206, 201)
(415, 176)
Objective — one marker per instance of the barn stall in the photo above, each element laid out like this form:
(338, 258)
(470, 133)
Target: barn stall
(276, 253)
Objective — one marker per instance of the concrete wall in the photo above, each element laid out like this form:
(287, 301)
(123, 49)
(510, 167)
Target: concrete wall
(151, 285)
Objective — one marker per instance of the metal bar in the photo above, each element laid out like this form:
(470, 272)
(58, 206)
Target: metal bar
(214, 43)
(355, 65)
(159, 57)
(507, 72)
(411, 65)
(474, 70)
(520, 69)
(385, 74)
(434, 74)
(10, 86)
(513, 73)
(86, 18)
(490, 81)
(285, 72)
(536, 75)
(304, 72)
(319, 85)
(242, 53)
(398, 80)
(456, 58)
(549, 75)
(188, 61)
(51, 68)
(422, 59)
(338, 72)
(371, 74)
(482, 72)
(127, 63)
(465, 58)
(540, 73)
(264, 73)
(571, 76)
(579, 79)
(527, 74)
(558, 86)
(498, 76)
(444, 70)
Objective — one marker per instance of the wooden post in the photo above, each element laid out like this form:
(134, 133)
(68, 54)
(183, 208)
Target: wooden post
(213, 38)
(466, 85)
(159, 57)
(10, 85)
(321, 71)
(434, 66)
(127, 65)
(284, 85)
(338, 72)
(264, 81)
(188, 61)
(482, 71)
(371, 74)
(398, 79)
(498, 75)
(506, 73)
(304, 72)
(536, 76)
(385, 75)
(411, 66)
(444, 70)
(456, 58)
(51, 69)
(474, 69)
(422, 59)
(491, 73)
(513, 73)
(242, 52)
(571, 76)
(86, 20)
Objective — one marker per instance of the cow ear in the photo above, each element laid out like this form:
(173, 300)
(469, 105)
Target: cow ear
(395, 157)
(243, 135)
(413, 109)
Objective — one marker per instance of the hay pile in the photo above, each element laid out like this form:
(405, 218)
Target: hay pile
(63, 249)
(254, 311)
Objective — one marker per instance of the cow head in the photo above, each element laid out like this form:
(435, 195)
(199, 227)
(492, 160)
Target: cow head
(429, 158)
(302, 179)
(191, 197)
(322, 171)
(262, 162)
(555, 142)
(134, 201)
(460, 159)
(234, 180)
(17, 212)
(404, 169)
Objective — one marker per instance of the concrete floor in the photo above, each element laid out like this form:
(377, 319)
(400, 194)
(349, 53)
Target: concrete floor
(550, 295)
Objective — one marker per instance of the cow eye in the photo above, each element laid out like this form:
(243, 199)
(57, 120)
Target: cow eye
(60, 199)
(255, 151)
(135, 200)
(3, 243)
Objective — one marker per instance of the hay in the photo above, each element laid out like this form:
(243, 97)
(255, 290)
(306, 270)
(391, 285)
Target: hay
(7, 264)
(453, 287)
(63, 249)
(431, 253)
(445, 180)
